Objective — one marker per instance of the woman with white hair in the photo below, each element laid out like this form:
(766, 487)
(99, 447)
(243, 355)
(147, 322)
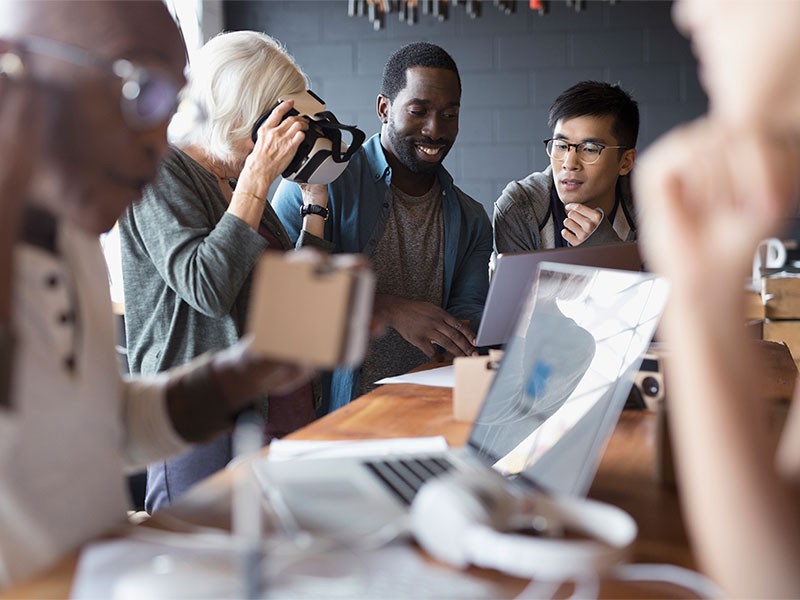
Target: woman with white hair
(189, 247)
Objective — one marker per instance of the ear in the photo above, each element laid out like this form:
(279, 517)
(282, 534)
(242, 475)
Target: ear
(383, 106)
(627, 162)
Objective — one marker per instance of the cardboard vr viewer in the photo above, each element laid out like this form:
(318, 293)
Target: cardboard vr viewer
(314, 311)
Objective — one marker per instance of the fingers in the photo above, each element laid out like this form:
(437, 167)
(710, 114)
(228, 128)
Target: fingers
(277, 115)
(275, 146)
(580, 223)
(280, 123)
(454, 337)
(435, 337)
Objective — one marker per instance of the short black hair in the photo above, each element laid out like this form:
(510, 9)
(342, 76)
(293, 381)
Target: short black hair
(415, 54)
(597, 99)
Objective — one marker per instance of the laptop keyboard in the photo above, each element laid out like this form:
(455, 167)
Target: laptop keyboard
(404, 476)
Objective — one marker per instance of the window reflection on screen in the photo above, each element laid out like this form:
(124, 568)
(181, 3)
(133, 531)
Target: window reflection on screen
(567, 371)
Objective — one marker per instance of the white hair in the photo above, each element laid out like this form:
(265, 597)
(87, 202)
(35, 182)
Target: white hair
(234, 78)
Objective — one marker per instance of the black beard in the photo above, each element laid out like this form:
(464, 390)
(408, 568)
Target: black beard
(406, 152)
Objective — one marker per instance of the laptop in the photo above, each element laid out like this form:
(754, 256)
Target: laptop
(514, 273)
(564, 378)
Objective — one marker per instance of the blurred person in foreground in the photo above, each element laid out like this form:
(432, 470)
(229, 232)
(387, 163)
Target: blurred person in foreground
(110, 73)
(20, 128)
(189, 247)
(714, 189)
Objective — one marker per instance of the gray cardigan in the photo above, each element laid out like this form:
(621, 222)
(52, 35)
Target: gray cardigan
(522, 219)
(186, 267)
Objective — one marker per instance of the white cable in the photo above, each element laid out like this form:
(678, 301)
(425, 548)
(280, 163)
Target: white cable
(587, 587)
(680, 576)
(536, 590)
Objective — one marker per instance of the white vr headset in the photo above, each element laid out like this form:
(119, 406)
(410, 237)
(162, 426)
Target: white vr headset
(322, 156)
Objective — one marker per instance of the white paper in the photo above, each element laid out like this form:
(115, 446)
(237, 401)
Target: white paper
(441, 377)
(293, 449)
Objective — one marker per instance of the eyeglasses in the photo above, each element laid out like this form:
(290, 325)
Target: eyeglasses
(588, 152)
(148, 96)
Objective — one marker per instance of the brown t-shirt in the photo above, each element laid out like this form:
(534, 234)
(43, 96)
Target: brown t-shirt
(408, 262)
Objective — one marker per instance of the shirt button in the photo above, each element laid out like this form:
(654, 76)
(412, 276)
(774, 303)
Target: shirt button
(51, 280)
(69, 363)
(66, 317)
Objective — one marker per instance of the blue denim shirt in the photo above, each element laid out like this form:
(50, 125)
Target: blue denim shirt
(360, 203)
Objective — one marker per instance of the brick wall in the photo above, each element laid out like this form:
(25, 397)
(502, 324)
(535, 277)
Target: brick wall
(512, 67)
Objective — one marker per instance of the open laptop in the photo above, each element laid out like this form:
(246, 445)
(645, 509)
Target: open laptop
(514, 273)
(557, 395)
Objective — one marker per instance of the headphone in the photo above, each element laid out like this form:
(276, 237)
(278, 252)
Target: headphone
(462, 519)
(322, 156)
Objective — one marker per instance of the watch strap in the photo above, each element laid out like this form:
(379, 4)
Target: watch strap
(313, 209)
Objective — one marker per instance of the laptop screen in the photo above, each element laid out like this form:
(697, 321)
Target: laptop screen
(566, 373)
(515, 273)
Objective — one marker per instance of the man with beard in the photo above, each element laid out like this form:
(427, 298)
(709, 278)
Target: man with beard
(428, 241)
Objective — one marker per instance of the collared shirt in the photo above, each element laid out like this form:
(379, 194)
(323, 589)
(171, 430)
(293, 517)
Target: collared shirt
(75, 425)
(360, 204)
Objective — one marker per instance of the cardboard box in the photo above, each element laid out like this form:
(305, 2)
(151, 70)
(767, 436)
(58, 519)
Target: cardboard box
(781, 297)
(473, 375)
(787, 332)
(310, 308)
(754, 308)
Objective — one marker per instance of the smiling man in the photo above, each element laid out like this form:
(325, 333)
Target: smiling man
(584, 195)
(429, 243)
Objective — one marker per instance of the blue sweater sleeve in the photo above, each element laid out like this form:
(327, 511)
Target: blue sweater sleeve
(287, 202)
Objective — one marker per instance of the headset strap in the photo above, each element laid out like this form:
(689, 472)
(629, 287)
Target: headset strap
(326, 121)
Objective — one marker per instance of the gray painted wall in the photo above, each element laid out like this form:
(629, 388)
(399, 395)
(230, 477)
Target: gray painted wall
(512, 67)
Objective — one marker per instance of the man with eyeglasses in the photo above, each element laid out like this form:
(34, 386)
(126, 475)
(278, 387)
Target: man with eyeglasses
(105, 78)
(584, 196)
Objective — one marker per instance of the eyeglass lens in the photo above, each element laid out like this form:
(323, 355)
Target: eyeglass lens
(587, 152)
(156, 100)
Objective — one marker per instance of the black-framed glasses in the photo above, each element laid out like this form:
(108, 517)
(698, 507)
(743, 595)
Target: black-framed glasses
(588, 152)
(148, 96)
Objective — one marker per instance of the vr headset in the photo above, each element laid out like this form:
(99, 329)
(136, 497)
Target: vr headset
(322, 156)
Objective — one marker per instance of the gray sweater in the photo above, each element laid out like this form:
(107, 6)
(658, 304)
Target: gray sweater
(522, 220)
(186, 267)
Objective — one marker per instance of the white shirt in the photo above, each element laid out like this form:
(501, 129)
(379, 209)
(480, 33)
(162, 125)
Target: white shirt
(75, 426)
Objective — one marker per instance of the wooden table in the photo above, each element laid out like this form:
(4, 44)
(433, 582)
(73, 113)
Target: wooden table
(626, 478)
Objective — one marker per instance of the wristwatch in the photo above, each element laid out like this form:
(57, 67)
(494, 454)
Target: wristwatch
(313, 209)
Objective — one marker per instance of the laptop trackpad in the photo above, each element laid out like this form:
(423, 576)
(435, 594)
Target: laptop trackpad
(341, 505)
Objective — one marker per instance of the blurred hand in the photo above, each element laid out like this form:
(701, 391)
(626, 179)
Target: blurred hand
(708, 195)
(423, 324)
(580, 223)
(242, 375)
(274, 149)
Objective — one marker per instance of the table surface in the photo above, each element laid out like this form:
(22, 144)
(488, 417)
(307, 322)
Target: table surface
(626, 478)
